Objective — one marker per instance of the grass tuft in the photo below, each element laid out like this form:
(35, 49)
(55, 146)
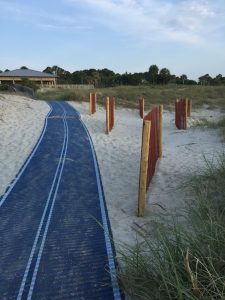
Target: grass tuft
(212, 124)
(183, 260)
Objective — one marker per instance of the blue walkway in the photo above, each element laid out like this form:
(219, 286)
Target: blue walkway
(52, 244)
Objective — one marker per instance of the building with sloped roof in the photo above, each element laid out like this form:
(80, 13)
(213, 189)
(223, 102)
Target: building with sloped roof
(16, 76)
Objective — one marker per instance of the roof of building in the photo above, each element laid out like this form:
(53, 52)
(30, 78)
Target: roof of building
(25, 73)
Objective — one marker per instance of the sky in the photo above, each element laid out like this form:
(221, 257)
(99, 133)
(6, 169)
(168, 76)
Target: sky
(185, 36)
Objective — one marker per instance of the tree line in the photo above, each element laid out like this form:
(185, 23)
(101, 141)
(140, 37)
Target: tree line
(105, 77)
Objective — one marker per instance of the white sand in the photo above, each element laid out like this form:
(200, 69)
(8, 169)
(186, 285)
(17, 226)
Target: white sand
(21, 122)
(119, 159)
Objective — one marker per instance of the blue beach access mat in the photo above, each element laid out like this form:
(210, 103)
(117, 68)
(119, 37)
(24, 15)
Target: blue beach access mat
(55, 236)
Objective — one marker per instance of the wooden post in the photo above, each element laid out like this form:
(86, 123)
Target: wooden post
(143, 167)
(141, 106)
(189, 108)
(186, 113)
(107, 115)
(176, 113)
(160, 129)
(114, 103)
(113, 108)
(90, 107)
(94, 104)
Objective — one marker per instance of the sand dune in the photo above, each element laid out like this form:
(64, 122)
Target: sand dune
(119, 159)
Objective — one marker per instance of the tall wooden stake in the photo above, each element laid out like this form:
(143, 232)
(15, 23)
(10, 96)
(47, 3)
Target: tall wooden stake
(160, 130)
(143, 168)
(189, 108)
(90, 107)
(107, 115)
(114, 108)
(141, 106)
(94, 104)
(186, 114)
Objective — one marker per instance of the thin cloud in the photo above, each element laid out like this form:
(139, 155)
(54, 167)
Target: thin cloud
(38, 17)
(52, 27)
(186, 21)
(13, 9)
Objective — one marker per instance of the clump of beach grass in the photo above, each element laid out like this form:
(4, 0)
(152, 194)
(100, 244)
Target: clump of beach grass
(220, 124)
(183, 259)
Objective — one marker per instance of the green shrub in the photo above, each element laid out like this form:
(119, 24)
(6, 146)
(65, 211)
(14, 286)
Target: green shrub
(29, 83)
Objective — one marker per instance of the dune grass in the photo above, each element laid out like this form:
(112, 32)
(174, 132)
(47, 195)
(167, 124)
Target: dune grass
(126, 96)
(220, 124)
(183, 260)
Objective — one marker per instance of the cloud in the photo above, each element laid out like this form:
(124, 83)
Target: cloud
(52, 27)
(185, 21)
(44, 19)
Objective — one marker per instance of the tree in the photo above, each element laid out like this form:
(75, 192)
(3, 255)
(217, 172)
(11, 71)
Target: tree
(48, 70)
(153, 73)
(164, 75)
(183, 78)
(23, 68)
(218, 79)
(63, 75)
(205, 79)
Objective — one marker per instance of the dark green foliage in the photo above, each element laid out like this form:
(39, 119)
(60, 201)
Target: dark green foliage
(153, 73)
(4, 87)
(107, 78)
(164, 76)
(29, 83)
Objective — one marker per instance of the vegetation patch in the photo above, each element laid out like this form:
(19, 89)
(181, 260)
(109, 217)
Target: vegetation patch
(220, 124)
(127, 96)
(183, 260)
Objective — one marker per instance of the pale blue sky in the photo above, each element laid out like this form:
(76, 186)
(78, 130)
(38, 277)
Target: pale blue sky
(186, 36)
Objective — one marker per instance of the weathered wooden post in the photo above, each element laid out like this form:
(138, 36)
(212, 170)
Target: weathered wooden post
(144, 167)
(107, 115)
(186, 113)
(160, 130)
(113, 110)
(90, 104)
(141, 106)
(189, 107)
(92, 108)
(176, 113)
